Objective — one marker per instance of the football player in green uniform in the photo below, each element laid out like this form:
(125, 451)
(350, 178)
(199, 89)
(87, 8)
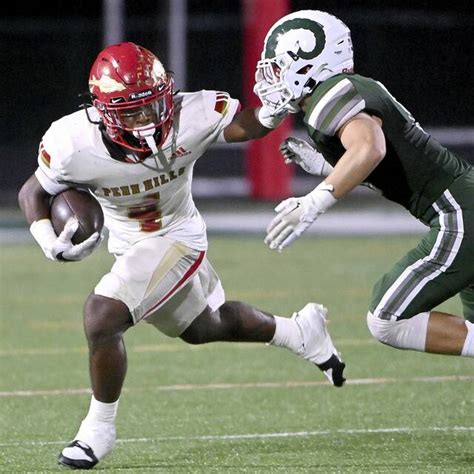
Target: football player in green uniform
(362, 134)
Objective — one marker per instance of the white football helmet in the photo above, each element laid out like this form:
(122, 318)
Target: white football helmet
(301, 50)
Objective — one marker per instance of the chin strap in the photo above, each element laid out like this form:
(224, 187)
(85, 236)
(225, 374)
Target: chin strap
(150, 141)
(147, 132)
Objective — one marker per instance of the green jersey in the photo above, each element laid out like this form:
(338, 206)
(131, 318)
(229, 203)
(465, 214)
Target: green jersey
(416, 168)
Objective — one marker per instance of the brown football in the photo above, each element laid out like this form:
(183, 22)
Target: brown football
(81, 204)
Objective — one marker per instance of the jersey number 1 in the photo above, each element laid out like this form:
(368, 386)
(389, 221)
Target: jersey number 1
(148, 213)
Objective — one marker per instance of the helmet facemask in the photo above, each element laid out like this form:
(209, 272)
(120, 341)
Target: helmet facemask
(282, 81)
(122, 128)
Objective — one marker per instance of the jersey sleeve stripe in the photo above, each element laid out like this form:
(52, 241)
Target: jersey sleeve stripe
(44, 156)
(324, 105)
(342, 113)
(222, 103)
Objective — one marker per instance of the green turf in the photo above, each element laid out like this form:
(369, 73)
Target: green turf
(233, 407)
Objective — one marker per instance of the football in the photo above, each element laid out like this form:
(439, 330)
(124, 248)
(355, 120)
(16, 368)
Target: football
(81, 204)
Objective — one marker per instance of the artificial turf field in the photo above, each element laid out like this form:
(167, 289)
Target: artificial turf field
(233, 407)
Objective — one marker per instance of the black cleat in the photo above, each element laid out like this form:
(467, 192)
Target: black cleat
(87, 457)
(333, 369)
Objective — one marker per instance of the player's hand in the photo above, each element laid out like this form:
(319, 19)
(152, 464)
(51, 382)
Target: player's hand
(268, 118)
(61, 248)
(304, 155)
(294, 216)
(64, 250)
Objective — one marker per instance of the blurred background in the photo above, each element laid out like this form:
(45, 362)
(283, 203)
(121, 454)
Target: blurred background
(422, 53)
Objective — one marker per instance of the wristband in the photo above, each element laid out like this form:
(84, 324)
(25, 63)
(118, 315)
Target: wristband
(44, 234)
(323, 197)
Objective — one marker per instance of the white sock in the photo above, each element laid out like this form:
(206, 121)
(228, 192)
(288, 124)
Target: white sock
(97, 431)
(468, 348)
(287, 334)
(102, 412)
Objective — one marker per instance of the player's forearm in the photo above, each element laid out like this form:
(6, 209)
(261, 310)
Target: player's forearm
(353, 169)
(245, 127)
(364, 142)
(34, 201)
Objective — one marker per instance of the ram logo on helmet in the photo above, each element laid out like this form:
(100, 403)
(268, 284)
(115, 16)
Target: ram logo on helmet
(288, 37)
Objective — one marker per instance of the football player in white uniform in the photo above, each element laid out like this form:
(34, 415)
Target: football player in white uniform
(135, 149)
(363, 135)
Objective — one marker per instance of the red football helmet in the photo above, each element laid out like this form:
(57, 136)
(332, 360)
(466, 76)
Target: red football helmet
(134, 96)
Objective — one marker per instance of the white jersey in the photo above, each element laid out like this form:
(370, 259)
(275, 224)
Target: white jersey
(143, 199)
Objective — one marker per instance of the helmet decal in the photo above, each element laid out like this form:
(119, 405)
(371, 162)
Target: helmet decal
(302, 33)
(158, 71)
(106, 84)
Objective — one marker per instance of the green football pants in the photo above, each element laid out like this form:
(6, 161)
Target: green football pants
(442, 264)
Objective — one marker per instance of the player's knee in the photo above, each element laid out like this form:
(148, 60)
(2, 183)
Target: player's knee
(105, 317)
(201, 329)
(402, 334)
(380, 329)
(224, 324)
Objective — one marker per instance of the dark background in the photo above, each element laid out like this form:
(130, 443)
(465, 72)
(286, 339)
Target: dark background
(423, 54)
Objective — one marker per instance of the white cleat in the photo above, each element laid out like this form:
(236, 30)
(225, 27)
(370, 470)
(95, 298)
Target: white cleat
(92, 443)
(317, 346)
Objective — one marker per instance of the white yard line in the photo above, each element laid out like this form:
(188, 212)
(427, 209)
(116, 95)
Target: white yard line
(291, 434)
(236, 386)
(167, 347)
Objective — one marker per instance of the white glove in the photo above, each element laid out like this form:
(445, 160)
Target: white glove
(304, 155)
(61, 248)
(268, 118)
(295, 215)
